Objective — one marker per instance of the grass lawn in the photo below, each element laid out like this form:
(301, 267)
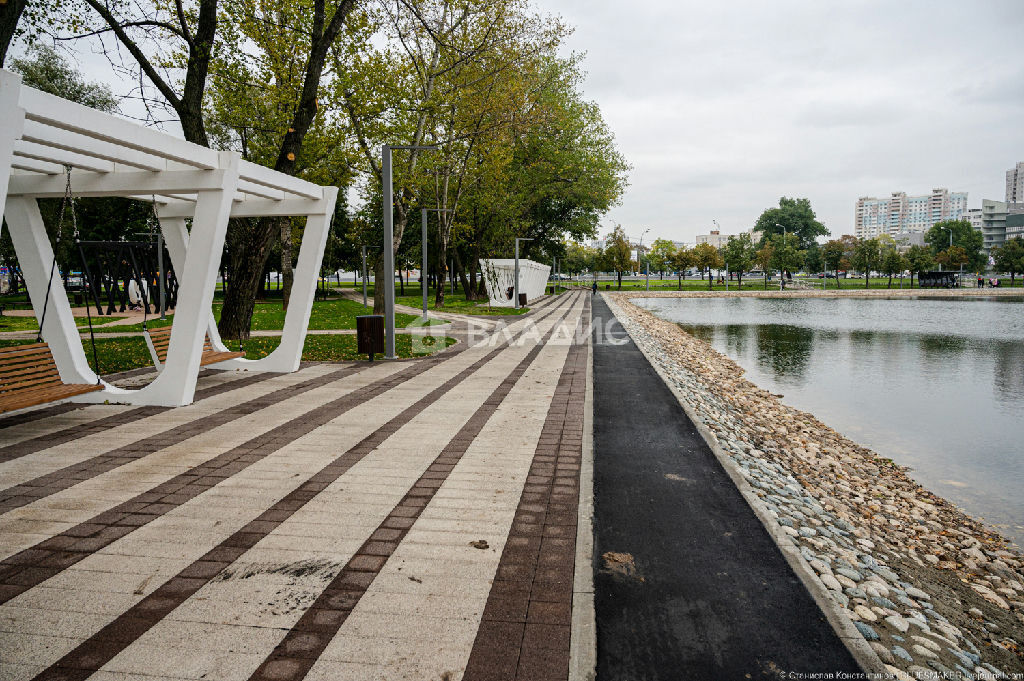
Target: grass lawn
(9, 323)
(123, 354)
(329, 315)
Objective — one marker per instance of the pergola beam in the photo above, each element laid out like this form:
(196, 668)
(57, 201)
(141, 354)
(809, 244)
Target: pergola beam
(117, 184)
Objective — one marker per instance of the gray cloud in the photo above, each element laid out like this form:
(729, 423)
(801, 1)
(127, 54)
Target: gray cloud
(724, 107)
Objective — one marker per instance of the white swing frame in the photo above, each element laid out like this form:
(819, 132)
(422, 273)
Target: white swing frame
(40, 134)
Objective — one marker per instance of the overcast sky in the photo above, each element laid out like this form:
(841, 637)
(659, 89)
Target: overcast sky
(723, 107)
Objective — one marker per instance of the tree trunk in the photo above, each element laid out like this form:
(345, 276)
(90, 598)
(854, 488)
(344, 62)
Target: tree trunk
(866, 274)
(709, 278)
(739, 281)
(10, 12)
(467, 287)
(284, 226)
(401, 282)
(890, 280)
(766, 280)
(680, 274)
(620, 279)
(250, 247)
(442, 271)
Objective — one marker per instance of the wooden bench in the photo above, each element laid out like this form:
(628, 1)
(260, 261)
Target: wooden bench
(160, 338)
(29, 377)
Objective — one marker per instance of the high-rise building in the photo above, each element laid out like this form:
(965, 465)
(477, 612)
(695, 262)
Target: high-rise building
(1015, 183)
(902, 213)
(993, 223)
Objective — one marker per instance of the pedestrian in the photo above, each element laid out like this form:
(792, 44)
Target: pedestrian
(593, 289)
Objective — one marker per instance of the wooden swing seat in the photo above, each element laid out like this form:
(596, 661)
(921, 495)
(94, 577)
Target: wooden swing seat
(29, 377)
(161, 338)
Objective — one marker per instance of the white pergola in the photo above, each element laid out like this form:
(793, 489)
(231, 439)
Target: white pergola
(40, 135)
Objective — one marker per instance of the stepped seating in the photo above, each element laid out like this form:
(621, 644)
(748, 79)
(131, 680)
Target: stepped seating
(29, 377)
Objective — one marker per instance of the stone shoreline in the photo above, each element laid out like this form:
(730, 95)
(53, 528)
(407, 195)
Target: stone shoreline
(829, 293)
(934, 592)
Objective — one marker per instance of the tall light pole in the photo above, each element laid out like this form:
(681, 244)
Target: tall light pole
(389, 243)
(364, 277)
(423, 269)
(639, 250)
(781, 277)
(718, 228)
(515, 289)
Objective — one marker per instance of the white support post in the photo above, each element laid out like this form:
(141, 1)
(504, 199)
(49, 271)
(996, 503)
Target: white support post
(287, 355)
(13, 119)
(36, 258)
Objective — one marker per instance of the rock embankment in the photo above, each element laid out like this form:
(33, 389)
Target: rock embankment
(935, 593)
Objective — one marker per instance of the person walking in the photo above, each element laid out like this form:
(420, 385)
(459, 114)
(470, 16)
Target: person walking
(593, 289)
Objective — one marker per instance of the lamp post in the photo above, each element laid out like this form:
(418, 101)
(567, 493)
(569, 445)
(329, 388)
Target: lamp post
(718, 228)
(364, 277)
(783, 245)
(389, 243)
(639, 254)
(423, 269)
(515, 289)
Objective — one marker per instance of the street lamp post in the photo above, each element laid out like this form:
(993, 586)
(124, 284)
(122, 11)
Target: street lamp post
(515, 289)
(781, 277)
(718, 228)
(639, 254)
(364, 277)
(423, 269)
(389, 243)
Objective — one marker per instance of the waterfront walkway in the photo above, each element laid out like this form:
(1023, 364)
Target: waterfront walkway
(689, 584)
(395, 520)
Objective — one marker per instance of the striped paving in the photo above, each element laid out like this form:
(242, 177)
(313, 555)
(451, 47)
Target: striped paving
(345, 521)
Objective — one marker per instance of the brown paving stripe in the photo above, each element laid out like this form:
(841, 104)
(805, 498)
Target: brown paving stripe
(32, 566)
(296, 654)
(69, 476)
(35, 444)
(103, 646)
(525, 627)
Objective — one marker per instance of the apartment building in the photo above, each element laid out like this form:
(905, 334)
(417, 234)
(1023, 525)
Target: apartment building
(1015, 183)
(902, 213)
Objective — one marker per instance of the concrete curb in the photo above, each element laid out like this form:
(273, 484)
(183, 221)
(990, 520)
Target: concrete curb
(868, 660)
(583, 633)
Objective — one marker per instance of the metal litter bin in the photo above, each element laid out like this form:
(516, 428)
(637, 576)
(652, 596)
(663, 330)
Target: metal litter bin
(370, 334)
(522, 300)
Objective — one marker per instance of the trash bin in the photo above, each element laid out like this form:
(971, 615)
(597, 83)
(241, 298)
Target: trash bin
(370, 334)
(522, 300)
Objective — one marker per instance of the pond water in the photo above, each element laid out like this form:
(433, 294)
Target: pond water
(936, 384)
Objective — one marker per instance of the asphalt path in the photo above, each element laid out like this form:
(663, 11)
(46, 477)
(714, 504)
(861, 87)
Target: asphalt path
(688, 583)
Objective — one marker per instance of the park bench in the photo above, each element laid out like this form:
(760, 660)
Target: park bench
(160, 338)
(29, 377)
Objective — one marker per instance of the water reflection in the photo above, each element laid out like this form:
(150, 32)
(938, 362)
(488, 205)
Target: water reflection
(936, 385)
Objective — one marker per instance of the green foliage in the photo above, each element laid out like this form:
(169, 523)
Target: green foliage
(796, 216)
(46, 70)
(867, 256)
(892, 262)
(660, 255)
(739, 253)
(964, 236)
(617, 253)
(1010, 257)
(706, 257)
(813, 261)
(786, 253)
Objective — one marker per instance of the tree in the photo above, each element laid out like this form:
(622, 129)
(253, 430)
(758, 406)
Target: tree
(812, 258)
(739, 253)
(618, 253)
(919, 259)
(786, 253)
(764, 258)
(796, 216)
(892, 261)
(1010, 257)
(832, 255)
(953, 257)
(867, 256)
(681, 260)
(46, 70)
(10, 14)
(706, 257)
(660, 256)
(963, 235)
